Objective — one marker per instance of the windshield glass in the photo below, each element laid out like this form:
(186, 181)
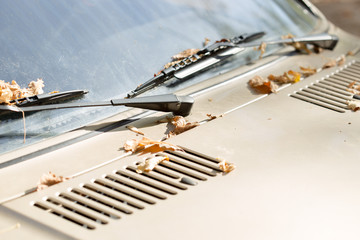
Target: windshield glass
(109, 47)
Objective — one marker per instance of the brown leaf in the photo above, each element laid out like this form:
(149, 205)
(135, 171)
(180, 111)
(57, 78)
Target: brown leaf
(150, 163)
(301, 47)
(262, 85)
(329, 64)
(184, 54)
(206, 42)
(134, 129)
(261, 48)
(307, 71)
(353, 105)
(13, 91)
(49, 179)
(146, 145)
(287, 77)
(226, 166)
(181, 125)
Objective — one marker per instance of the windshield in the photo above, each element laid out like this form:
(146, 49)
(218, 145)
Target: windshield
(109, 47)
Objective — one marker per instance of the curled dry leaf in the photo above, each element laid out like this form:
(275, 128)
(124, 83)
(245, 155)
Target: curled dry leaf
(150, 163)
(184, 54)
(49, 179)
(353, 105)
(262, 49)
(329, 64)
(301, 47)
(262, 85)
(170, 64)
(354, 88)
(288, 77)
(341, 60)
(12, 91)
(206, 41)
(212, 117)
(226, 166)
(146, 145)
(134, 129)
(181, 125)
(307, 71)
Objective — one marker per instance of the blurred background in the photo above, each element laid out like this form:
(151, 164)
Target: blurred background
(343, 13)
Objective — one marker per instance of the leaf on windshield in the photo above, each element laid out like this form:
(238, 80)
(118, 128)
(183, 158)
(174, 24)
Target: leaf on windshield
(308, 71)
(262, 49)
(48, 180)
(12, 91)
(184, 54)
(262, 85)
(288, 77)
(134, 129)
(353, 105)
(301, 47)
(150, 163)
(226, 167)
(146, 145)
(206, 42)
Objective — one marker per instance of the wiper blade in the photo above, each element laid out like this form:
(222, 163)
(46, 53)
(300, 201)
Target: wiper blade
(220, 50)
(179, 105)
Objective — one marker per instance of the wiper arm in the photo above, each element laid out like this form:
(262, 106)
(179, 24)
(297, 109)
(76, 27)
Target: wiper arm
(218, 51)
(179, 105)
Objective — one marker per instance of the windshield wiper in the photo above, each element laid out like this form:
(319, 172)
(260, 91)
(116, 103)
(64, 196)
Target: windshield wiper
(221, 50)
(179, 105)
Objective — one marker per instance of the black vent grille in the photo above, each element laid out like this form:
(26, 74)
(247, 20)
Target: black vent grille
(332, 92)
(123, 192)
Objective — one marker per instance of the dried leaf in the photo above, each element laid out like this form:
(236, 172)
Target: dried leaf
(170, 64)
(134, 129)
(48, 180)
(297, 45)
(341, 61)
(287, 77)
(329, 64)
(206, 42)
(354, 88)
(353, 105)
(226, 166)
(146, 145)
(212, 117)
(12, 91)
(150, 163)
(261, 48)
(184, 54)
(307, 71)
(262, 85)
(181, 125)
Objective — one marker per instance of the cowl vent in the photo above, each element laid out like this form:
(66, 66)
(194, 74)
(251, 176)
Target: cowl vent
(332, 92)
(123, 192)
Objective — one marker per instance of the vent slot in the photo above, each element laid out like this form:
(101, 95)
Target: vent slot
(124, 191)
(332, 92)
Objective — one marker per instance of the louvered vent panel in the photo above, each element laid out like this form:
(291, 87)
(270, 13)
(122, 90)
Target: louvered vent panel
(332, 92)
(124, 191)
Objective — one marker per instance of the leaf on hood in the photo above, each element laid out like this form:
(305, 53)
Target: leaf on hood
(354, 88)
(134, 129)
(146, 145)
(308, 71)
(49, 179)
(226, 167)
(262, 85)
(150, 163)
(329, 64)
(288, 77)
(353, 105)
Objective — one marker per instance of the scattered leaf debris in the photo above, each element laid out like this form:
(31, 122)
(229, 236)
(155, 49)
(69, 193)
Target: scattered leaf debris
(261, 48)
(150, 163)
(308, 71)
(146, 145)
(226, 167)
(301, 47)
(184, 54)
(288, 77)
(12, 91)
(354, 88)
(329, 64)
(263, 85)
(134, 129)
(353, 105)
(49, 179)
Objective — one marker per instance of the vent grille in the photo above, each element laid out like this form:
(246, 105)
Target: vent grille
(123, 192)
(332, 92)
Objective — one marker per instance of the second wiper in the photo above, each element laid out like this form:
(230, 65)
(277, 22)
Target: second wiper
(223, 49)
